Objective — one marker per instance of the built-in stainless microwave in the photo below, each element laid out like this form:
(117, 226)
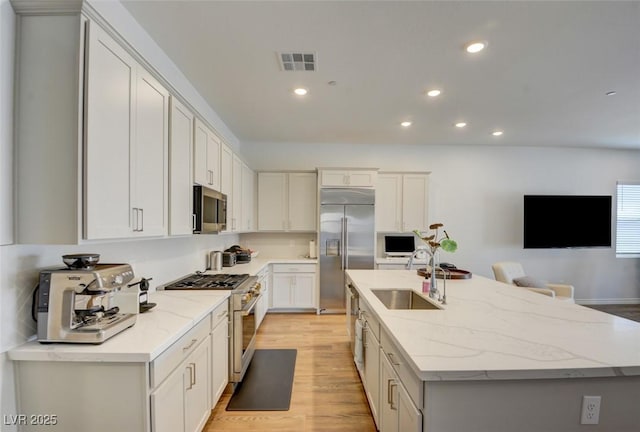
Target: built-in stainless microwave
(209, 211)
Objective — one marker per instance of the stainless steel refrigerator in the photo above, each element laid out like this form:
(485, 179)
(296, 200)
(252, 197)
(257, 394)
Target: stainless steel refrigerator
(347, 241)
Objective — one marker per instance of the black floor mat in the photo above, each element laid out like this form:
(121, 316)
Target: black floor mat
(267, 384)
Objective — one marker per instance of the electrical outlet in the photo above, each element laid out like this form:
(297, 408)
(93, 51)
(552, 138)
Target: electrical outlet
(590, 410)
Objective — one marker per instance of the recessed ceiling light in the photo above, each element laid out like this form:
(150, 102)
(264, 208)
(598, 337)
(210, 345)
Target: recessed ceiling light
(497, 133)
(475, 47)
(300, 91)
(405, 124)
(460, 124)
(434, 93)
(610, 93)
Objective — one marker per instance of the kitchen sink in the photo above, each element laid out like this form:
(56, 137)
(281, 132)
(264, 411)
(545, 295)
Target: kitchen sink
(403, 299)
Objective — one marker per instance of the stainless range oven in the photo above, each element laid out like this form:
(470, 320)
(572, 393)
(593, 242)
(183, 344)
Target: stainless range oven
(245, 293)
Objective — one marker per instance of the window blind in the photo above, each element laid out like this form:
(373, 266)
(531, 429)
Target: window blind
(628, 219)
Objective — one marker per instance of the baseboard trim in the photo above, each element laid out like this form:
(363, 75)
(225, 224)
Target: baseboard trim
(608, 301)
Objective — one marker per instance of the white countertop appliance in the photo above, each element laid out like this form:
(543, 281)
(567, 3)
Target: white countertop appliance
(245, 293)
(76, 305)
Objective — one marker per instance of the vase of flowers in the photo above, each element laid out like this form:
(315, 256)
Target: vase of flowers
(436, 240)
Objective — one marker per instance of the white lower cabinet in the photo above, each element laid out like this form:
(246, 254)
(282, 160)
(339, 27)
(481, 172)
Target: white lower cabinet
(372, 364)
(263, 304)
(293, 286)
(219, 352)
(392, 390)
(181, 402)
(180, 380)
(397, 411)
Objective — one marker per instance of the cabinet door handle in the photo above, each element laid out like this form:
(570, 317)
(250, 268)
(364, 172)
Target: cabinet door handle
(141, 219)
(391, 385)
(137, 217)
(364, 334)
(190, 376)
(193, 221)
(194, 374)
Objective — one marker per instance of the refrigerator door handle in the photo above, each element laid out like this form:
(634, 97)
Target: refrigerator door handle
(346, 243)
(343, 250)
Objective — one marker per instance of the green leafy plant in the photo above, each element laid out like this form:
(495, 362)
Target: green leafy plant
(437, 240)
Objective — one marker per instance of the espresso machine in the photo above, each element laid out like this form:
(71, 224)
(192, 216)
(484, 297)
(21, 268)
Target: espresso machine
(83, 304)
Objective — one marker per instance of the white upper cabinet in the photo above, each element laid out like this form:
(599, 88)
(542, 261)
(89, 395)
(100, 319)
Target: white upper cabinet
(272, 201)
(234, 223)
(92, 135)
(226, 170)
(226, 180)
(302, 202)
(287, 201)
(180, 175)
(110, 92)
(402, 202)
(126, 132)
(206, 162)
(150, 171)
(347, 178)
(248, 198)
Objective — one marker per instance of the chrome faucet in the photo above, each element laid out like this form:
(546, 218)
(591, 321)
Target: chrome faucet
(414, 255)
(446, 273)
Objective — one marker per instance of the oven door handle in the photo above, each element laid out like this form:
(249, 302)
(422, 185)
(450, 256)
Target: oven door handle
(247, 309)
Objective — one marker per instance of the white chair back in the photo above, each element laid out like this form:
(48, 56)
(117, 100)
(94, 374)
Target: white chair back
(507, 271)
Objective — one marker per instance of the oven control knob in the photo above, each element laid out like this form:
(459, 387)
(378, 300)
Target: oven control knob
(246, 297)
(117, 279)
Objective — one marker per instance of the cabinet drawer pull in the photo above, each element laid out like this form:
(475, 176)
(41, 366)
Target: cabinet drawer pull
(188, 347)
(391, 357)
(221, 314)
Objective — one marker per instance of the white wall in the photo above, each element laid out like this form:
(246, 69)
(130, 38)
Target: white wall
(7, 28)
(477, 193)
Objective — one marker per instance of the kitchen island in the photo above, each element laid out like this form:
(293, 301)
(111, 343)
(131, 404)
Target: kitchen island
(501, 358)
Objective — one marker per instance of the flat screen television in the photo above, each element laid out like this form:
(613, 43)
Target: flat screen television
(567, 221)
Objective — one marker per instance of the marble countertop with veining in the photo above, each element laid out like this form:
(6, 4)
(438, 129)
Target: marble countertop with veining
(175, 313)
(491, 330)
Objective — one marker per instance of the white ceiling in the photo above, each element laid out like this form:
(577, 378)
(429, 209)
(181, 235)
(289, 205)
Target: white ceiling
(542, 79)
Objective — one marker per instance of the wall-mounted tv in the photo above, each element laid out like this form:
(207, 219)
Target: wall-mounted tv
(567, 221)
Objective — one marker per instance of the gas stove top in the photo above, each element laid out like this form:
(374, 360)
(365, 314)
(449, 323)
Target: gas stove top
(209, 282)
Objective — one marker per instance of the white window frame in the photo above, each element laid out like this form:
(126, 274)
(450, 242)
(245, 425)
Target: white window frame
(628, 219)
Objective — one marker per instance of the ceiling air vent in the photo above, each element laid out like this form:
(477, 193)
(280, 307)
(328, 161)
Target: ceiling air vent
(297, 61)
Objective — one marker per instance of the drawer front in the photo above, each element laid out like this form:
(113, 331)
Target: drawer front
(166, 362)
(264, 272)
(220, 314)
(411, 382)
(294, 268)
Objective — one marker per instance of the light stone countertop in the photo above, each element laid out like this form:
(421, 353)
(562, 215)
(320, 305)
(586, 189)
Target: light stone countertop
(254, 266)
(491, 330)
(176, 312)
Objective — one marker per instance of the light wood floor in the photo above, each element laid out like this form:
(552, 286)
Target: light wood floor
(327, 392)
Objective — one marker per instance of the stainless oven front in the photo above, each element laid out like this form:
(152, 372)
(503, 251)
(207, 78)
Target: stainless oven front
(244, 339)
